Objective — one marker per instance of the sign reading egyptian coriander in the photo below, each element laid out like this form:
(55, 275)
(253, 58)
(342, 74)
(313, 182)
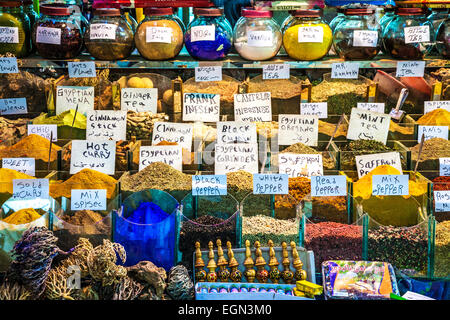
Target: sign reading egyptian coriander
(236, 132)
(300, 165)
(204, 107)
(297, 128)
(235, 157)
(72, 97)
(270, 183)
(181, 133)
(390, 185)
(139, 99)
(28, 189)
(368, 162)
(95, 155)
(106, 125)
(209, 185)
(368, 125)
(171, 155)
(89, 199)
(252, 107)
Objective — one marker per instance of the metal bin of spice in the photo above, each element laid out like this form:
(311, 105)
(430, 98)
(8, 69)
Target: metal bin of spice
(441, 250)
(147, 226)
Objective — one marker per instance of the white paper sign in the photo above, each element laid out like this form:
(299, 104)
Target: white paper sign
(432, 132)
(210, 73)
(181, 133)
(368, 162)
(139, 99)
(13, 106)
(70, 97)
(85, 69)
(28, 189)
(103, 31)
(8, 65)
(417, 34)
(270, 183)
(44, 130)
(256, 38)
(409, 295)
(410, 69)
(236, 132)
(345, 70)
(442, 201)
(253, 107)
(319, 109)
(328, 186)
(88, 199)
(310, 34)
(293, 128)
(444, 167)
(300, 165)
(235, 157)
(106, 125)
(203, 33)
(368, 125)
(390, 185)
(433, 105)
(9, 35)
(48, 35)
(24, 165)
(276, 71)
(95, 155)
(209, 185)
(158, 34)
(371, 106)
(204, 107)
(365, 38)
(171, 155)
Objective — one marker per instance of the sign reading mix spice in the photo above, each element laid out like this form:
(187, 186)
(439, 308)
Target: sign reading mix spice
(89, 199)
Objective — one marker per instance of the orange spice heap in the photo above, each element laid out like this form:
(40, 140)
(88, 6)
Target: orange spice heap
(32, 146)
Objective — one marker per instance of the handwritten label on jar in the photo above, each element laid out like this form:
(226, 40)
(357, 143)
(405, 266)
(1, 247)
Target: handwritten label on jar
(88, 199)
(235, 157)
(300, 165)
(103, 31)
(270, 183)
(433, 105)
(44, 130)
(95, 155)
(253, 107)
(444, 167)
(204, 107)
(257, 38)
(203, 33)
(170, 155)
(431, 132)
(210, 73)
(24, 165)
(48, 35)
(158, 34)
(276, 71)
(81, 69)
(345, 70)
(410, 69)
(368, 125)
(9, 35)
(371, 106)
(417, 34)
(365, 38)
(390, 185)
(310, 34)
(70, 97)
(13, 106)
(319, 109)
(368, 162)
(28, 189)
(8, 65)
(236, 132)
(106, 125)
(441, 201)
(180, 133)
(294, 128)
(328, 186)
(139, 99)
(209, 185)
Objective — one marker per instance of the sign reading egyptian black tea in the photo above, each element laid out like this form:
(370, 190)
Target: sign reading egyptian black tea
(204, 107)
(28, 189)
(235, 157)
(89, 199)
(95, 155)
(367, 125)
(106, 125)
(171, 155)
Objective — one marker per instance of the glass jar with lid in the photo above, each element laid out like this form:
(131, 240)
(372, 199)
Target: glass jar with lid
(410, 35)
(57, 34)
(336, 20)
(443, 39)
(159, 36)
(307, 36)
(358, 35)
(209, 36)
(437, 16)
(15, 29)
(109, 35)
(257, 36)
(28, 8)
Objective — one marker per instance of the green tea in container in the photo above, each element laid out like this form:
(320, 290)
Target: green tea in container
(15, 29)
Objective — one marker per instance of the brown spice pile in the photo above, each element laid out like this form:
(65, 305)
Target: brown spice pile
(278, 88)
(227, 88)
(432, 149)
(239, 184)
(83, 217)
(32, 146)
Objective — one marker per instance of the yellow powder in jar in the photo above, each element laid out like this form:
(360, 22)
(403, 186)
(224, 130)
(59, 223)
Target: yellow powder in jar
(22, 216)
(6, 178)
(307, 51)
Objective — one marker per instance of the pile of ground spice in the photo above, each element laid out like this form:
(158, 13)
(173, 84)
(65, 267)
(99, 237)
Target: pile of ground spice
(63, 119)
(332, 209)
(6, 178)
(265, 228)
(433, 149)
(32, 146)
(239, 184)
(23, 216)
(82, 218)
(442, 250)
(279, 88)
(437, 117)
(300, 148)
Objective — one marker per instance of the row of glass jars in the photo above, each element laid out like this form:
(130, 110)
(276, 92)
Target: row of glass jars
(57, 34)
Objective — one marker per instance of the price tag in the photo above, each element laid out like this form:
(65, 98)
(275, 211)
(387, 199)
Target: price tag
(390, 185)
(368, 162)
(257, 38)
(211, 73)
(417, 34)
(102, 31)
(276, 71)
(48, 35)
(235, 157)
(365, 38)
(171, 155)
(444, 167)
(371, 106)
(368, 125)
(24, 165)
(442, 201)
(270, 183)
(28, 189)
(294, 128)
(9, 35)
(70, 97)
(209, 185)
(253, 107)
(106, 125)
(203, 33)
(88, 199)
(8, 65)
(410, 69)
(345, 70)
(13, 106)
(95, 155)
(433, 105)
(310, 34)
(432, 132)
(319, 109)
(236, 132)
(203, 107)
(300, 165)
(139, 99)
(328, 186)
(44, 130)
(180, 133)
(82, 69)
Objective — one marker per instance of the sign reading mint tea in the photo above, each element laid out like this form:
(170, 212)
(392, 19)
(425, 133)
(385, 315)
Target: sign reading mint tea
(139, 99)
(293, 128)
(328, 186)
(431, 132)
(368, 125)
(95, 155)
(203, 107)
(8, 65)
(13, 106)
(209, 185)
(270, 183)
(70, 97)
(106, 125)
(252, 107)
(236, 132)
(444, 167)
(442, 201)
(181, 133)
(24, 165)
(44, 130)
(390, 185)
(300, 165)
(368, 162)
(275, 71)
(433, 105)
(208, 73)
(235, 157)
(28, 189)
(410, 69)
(89, 199)
(170, 155)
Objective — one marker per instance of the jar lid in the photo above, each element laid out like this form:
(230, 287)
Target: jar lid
(105, 4)
(163, 11)
(359, 12)
(208, 12)
(10, 4)
(254, 13)
(409, 11)
(307, 13)
(107, 12)
(55, 10)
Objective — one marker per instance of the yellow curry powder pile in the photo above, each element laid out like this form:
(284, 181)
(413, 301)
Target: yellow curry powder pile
(22, 216)
(6, 178)
(437, 117)
(32, 146)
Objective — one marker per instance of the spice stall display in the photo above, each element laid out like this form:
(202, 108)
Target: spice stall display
(440, 183)
(442, 250)
(432, 150)
(15, 37)
(140, 124)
